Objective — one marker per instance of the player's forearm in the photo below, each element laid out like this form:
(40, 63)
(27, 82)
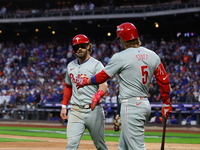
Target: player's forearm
(99, 78)
(162, 81)
(103, 87)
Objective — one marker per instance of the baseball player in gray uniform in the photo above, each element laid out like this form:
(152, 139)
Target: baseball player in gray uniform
(86, 110)
(136, 66)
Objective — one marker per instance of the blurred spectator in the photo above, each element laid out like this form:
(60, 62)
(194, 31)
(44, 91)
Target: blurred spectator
(173, 119)
(189, 97)
(156, 119)
(25, 106)
(194, 108)
(180, 109)
(83, 6)
(188, 120)
(3, 10)
(181, 97)
(107, 110)
(32, 106)
(57, 118)
(6, 115)
(107, 97)
(77, 7)
(91, 6)
(51, 118)
(114, 98)
(49, 98)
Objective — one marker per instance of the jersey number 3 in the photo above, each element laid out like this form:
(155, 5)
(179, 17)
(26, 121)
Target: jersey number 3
(144, 74)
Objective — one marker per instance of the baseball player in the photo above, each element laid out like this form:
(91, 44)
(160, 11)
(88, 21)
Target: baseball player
(86, 110)
(136, 65)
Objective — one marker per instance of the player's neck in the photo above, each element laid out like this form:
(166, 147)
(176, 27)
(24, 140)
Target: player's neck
(135, 45)
(82, 60)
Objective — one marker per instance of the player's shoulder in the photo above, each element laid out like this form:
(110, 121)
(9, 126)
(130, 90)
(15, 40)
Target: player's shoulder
(147, 50)
(72, 63)
(75, 61)
(94, 60)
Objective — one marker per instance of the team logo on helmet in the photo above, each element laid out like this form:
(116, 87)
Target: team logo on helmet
(77, 39)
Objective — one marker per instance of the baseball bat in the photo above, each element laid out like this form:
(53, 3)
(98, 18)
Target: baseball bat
(163, 134)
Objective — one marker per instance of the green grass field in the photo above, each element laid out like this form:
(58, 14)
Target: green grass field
(150, 137)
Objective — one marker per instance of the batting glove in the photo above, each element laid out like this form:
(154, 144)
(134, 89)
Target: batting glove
(96, 98)
(82, 82)
(166, 109)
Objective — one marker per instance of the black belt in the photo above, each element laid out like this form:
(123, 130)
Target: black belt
(88, 106)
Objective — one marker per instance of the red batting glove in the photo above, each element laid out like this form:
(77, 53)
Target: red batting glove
(96, 98)
(82, 82)
(166, 109)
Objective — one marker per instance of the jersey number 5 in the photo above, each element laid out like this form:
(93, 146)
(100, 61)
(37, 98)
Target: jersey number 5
(144, 74)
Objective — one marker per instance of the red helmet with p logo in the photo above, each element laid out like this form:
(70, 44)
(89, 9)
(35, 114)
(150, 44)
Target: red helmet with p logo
(127, 31)
(80, 38)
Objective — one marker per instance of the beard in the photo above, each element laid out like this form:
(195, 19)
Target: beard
(82, 54)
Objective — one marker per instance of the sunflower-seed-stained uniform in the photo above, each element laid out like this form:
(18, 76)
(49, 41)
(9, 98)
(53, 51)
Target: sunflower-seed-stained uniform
(83, 113)
(136, 66)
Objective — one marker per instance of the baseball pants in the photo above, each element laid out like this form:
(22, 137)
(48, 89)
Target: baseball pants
(134, 113)
(79, 120)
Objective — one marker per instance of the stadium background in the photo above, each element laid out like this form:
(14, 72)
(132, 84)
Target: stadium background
(27, 20)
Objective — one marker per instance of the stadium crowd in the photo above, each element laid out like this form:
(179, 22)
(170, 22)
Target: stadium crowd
(19, 8)
(32, 74)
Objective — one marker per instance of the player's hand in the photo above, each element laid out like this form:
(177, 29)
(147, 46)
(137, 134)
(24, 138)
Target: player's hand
(63, 113)
(81, 82)
(96, 98)
(166, 109)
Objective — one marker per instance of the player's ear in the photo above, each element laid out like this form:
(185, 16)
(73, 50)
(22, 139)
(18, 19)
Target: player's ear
(90, 48)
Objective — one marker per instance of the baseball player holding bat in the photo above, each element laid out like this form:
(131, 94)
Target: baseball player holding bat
(86, 110)
(136, 66)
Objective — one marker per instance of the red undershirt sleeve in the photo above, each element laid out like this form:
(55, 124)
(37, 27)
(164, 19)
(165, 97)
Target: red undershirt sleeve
(67, 93)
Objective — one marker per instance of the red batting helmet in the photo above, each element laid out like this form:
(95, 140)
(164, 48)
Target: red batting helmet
(80, 38)
(127, 31)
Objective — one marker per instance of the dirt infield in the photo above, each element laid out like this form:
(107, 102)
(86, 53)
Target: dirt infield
(60, 144)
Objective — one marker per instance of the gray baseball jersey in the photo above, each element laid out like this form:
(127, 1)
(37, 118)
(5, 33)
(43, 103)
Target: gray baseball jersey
(135, 67)
(83, 95)
(81, 118)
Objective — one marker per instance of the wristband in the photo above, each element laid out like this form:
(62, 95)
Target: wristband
(64, 106)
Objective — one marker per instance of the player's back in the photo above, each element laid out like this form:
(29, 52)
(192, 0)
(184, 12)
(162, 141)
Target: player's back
(137, 66)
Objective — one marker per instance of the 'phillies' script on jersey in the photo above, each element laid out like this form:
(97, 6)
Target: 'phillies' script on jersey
(75, 79)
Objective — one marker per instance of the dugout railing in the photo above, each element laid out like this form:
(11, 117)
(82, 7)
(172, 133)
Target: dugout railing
(43, 115)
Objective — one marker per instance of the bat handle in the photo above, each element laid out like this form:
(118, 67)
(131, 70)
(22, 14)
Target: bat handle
(163, 134)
